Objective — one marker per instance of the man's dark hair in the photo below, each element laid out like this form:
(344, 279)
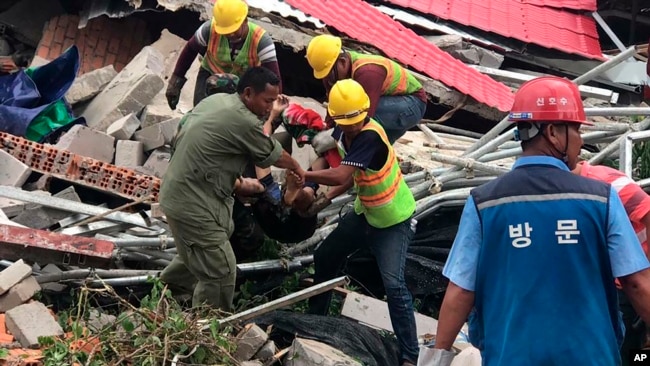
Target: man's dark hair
(257, 78)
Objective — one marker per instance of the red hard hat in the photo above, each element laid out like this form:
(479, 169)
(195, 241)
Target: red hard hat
(548, 99)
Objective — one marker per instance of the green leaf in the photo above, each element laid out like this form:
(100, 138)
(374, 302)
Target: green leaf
(127, 325)
(4, 352)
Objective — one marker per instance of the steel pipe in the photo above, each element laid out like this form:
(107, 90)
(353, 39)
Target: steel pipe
(453, 130)
(618, 111)
(466, 163)
(598, 70)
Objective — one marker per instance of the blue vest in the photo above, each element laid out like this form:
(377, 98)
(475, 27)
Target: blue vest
(545, 294)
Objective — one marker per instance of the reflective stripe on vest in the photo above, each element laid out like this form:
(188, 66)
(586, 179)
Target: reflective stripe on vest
(398, 80)
(382, 195)
(217, 58)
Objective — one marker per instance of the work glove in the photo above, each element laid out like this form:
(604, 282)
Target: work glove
(435, 357)
(323, 141)
(317, 206)
(173, 92)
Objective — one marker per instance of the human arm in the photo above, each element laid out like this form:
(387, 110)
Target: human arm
(454, 311)
(279, 105)
(646, 223)
(637, 288)
(331, 177)
(198, 43)
(340, 189)
(460, 269)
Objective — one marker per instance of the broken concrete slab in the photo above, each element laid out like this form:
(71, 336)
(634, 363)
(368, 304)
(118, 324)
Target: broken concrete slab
(267, 351)
(157, 111)
(158, 162)
(490, 58)
(307, 352)
(249, 341)
(13, 274)
(87, 142)
(158, 135)
(130, 91)
(251, 363)
(186, 102)
(19, 294)
(129, 153)
(30, 321)
(124, 128)
(469, 56)
(447, 42)
(90, 84)
(12, 171)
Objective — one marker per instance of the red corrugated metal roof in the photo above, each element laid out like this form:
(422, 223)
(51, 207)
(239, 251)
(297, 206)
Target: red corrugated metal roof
(588, 5)
(547, 27)
(362, 21)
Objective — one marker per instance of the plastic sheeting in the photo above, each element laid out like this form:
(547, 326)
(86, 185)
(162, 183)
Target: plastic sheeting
(26, 94)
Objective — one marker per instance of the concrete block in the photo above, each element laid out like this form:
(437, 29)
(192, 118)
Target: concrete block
(12, 171)
(13, 274)
(29, 321)
(158, 162)
(267, 351)
(52, 286)
(130, 91)
(158, 135)
(87, 142)
(129, 153)
(90, 84)
(306, 352)
(158, 111)
(19, 294)
(249, 341)
(156, 211)
(186, 102)
(124, 128)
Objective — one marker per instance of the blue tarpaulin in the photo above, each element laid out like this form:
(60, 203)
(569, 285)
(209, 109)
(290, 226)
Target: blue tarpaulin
(26, 94)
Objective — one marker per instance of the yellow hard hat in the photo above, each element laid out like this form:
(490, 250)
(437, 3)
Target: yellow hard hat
(228, 15)
(348, 102)
(322, 53)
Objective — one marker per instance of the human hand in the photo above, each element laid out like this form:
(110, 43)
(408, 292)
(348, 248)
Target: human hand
(298, 173)
(279, 105)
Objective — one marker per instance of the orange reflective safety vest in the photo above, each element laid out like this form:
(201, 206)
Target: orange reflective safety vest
(398, 80)
(382, 195)
(217, 58)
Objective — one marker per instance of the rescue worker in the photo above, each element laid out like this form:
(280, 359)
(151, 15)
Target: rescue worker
(397, 99)
(382, 213)
(538, 249)
(218, 139)
(637, 206)
(229, 44)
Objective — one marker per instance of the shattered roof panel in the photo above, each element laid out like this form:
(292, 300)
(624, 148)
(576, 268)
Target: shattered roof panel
(285, 10)
(544, 26)
(362, 21)
(588, 5)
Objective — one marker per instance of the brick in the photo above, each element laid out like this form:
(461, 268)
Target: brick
(43, 52)
(114, 46)
(98, 62)
(110, 59)
(249, 341)
(29, 321)
(129, 153)
(19, 294)
(71, 30)
(13, 274)
(85, 141)
(67, 43)
(132, 89)
(59, 34)
(12, 171)
(124, 128)
(55, 51)
(158, 162)
(102, 47)
(77, 169)
(48, 37)
(90, 84)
